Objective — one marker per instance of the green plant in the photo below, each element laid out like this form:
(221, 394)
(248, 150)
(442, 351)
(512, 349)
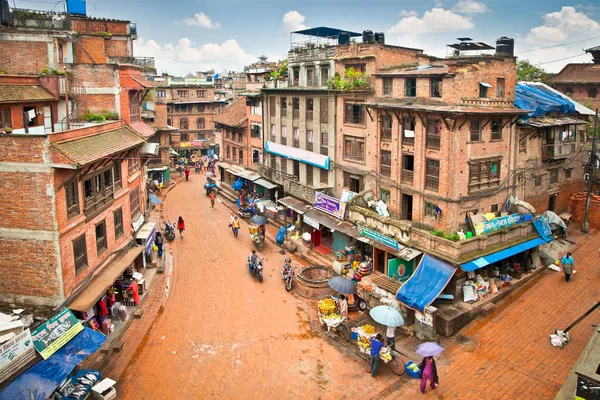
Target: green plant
(101, 116)
(311, 45)
(60, 72)
(280, 73)
(352, 80)
(53, 72)
(437, 232)
(2, 72)
(528, 72)
(452, 236)
(44, 71)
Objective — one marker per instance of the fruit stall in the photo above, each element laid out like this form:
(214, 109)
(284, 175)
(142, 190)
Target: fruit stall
(363, 335)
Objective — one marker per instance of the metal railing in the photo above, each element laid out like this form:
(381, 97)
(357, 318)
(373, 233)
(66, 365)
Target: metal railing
(147, 63)
(133, 29)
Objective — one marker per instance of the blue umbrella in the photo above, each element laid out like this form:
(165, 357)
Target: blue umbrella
(342, 285)
(154, 199)
(386, 315)
(429, 349)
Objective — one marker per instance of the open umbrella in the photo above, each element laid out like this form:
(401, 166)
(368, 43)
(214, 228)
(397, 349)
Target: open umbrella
(429, 349)
(386, 315)
(259, 220)
(342, 285)
(210, 174)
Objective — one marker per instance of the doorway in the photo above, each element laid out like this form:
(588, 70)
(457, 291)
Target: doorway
(407, 207)
(355, 184)
(552, 202)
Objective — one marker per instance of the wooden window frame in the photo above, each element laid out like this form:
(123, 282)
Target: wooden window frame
(97, 194)
(101, 241)
(354, 114)
(80, 258)
(432, 179)
(385, 165)
(430, 210)
(134, 202)
(349, 143)
(496, 133)
(118, 222)
(478, 135)
(388, 87)
(481, 176)
(386, 124)
(435, 85)
(72, 198)
(410, 90)
(5, 118)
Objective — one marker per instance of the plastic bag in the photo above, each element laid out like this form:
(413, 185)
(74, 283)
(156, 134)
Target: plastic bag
(155, 248)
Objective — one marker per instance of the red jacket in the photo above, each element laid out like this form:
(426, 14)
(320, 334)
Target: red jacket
(181, 225)
(187, 172)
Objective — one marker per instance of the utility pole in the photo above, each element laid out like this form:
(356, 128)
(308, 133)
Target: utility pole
(585, 227)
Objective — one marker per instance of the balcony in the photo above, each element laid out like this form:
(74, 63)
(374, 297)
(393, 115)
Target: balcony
(386, 170)
(39, 19)
(433, 142)
(306, 51)
(274, 175)
(432, 183)
(386, 134)
(407, 176)
(146, 63)
(408, 141)
(558, 151)
(487, 103)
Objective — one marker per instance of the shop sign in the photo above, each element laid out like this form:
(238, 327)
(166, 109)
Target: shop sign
(425, 319)
(311, 222)
(497, 223)
(185, 144)
(330, 205)
(199, 143)
(15, 353)
(378, 237)
(55, 333)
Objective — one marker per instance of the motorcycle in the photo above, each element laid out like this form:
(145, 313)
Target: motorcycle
(169, 231)
(247, 212)
(256, 270)
(287, 274)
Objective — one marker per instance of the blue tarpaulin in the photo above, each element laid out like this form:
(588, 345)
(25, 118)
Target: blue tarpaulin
(543, 229)
(154, 199)
(45, 376)
(501, 255)
(541, 101)
(425, 285)
(238, 184)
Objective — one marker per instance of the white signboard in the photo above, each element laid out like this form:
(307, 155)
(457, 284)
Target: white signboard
(15, 353)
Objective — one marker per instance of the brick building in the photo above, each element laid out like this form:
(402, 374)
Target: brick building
(581, 81)
(258, 73)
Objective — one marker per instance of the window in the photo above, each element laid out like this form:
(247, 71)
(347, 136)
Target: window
(497, 129)
(118, 218)
(324, 110)
(227, 134)
(134, 106)
(273, 161)
(411, 87)
(483, 88)
(408, 168)
(309, 175)
(283, 105)
(408, 133)
(388, 87)
(310, 77)
(101, 237)
(98, 191)
(284, 165)
(309, 109)
(523, 143)
(228, 152)
(324, 139)
(161, 94)
(283, 131)
(296, 167)
(183, 123)
(200, 93)
(117, 174)
(592, 92)
(72, 198)
(386, 163)
(273, 132)
(475, 131)
(324, 75)
(183, 93)
(169, 121)
(568, 173)
(538, 180)
(354, 149)
(434, 129)
(255, 131)
(184, 137)
(309, 136)
(324, 176)
(241, 156)
(133, 163)
(134, 202)
(272, 106)
(295, 76)
(295, 107)
(484, 174)
(384, 195)
(80, 253)
(354, 114)
(386, 128)
(432, 178)
(234, 154)
(430, 210)
(500, 84)
(436, 87)
(494, 208)
(554, 177)
(200, 122)
(353, 182)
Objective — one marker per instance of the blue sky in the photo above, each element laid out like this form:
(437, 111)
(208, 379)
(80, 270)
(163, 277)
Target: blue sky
(187, 35)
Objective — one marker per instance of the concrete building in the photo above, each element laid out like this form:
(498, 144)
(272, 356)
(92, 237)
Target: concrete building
(258, 73)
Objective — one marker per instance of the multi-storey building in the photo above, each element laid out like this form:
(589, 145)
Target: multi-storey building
(258, 73)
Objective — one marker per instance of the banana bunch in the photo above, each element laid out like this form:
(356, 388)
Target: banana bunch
(363, 344)
(327, 306)
(331, 316)
(385, 356)
(368, 329)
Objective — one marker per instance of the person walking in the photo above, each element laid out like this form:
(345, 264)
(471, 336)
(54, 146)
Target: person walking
(231, 218)
(428, 373)
(236, 226)
(211, 196)
(187, 173)
(376, 345)
(391, 337)
(180, 226)
(568, 265)
(159, 241)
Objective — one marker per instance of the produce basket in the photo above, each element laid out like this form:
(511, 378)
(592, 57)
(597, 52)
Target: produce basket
(412, 373)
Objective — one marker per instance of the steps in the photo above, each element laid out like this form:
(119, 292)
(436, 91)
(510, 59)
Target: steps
(227, 192)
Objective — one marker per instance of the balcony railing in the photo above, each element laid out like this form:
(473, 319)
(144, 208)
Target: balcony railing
(407, 176)
(284, 141)
(432, 183)
(386, 134)
(39, 19)
(309, 115)
(558, 151)
(284, 112)
(386, 170)
(147, 63)
(433, 142)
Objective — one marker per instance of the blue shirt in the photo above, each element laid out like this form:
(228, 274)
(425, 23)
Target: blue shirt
(376, 346)
(567, 260)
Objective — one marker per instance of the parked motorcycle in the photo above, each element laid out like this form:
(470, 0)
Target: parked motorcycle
(255, 270)
(287, 274)
(169, 231)
(247, 212)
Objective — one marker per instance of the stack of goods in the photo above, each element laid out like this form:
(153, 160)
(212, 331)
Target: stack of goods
(364, 268)
(385, 355)
(413, 370)
(327, 306)
(365, 333)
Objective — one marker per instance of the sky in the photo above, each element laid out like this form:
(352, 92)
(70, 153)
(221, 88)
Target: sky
(196, 35)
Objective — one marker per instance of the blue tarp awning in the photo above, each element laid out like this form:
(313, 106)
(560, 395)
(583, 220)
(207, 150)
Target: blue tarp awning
(45, 376)
(501, 255)
(425, 285)
(542, 226)
(541, 100)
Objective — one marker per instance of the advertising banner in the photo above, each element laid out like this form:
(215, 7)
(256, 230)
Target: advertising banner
(56, 332)
(378, 237)
(330, 205)
(15, 353)
(497, 223)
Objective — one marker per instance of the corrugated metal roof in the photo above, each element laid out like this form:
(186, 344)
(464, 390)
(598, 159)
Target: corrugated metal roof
(540, 122)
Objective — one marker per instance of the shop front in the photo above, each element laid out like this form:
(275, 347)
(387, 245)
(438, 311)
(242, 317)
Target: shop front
(145, 237)
(160, 175)
(328, 234)
(295, 209)
(268, 190)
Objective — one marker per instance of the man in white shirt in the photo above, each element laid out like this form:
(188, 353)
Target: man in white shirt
(391, 337)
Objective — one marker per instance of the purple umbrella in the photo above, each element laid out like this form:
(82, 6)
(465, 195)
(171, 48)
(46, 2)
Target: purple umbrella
(429, 349)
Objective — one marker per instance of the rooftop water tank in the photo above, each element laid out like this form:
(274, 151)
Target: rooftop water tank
(368, 37)
(505, 45)
(344, 38)
(76, 7)
(380, 37)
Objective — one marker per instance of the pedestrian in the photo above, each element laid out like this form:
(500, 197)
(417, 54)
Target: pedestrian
(376, 345)
(391, 337)
(568, 265)
(343, 306)
(236, 226)
(197, 168)
(231, 218)
(211, 196)
(428, 373)
(187, 173)
(180, 226)
(158, 241)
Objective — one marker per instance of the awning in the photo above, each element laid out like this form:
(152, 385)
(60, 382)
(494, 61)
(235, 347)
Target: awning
(501, 255)
(485, 84)
(174, 153)
(305, 156)
(150, 149)
(333, 223)
(88, 297)
(39, 381)
(426, 283)
(299, 206)
(265, 183)
(146, 230)
(244, 173)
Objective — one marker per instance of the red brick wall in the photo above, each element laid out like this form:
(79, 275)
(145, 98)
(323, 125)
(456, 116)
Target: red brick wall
(22, 148)
(577, 209)
(94, 48)
(23, 57)
(26, 204)
(99, 102)
(96, 75)
(160, 117)
(116, 48)
(90, 26)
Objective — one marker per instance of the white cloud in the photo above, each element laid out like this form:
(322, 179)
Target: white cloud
(405, 13)
(293, 21)
(435, 20)
(202, 20)
(469, 7)
(438, 3)
(185, 56)
(562, 25)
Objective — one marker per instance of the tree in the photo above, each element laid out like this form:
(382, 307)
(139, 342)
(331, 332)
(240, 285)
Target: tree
(528, 72)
